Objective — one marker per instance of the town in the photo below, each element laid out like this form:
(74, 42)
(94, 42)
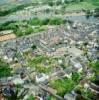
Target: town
(55, 60)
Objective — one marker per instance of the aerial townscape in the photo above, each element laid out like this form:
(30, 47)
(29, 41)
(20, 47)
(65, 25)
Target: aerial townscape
(49, 49)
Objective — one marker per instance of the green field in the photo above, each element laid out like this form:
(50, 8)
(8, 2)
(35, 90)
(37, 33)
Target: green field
(86, 5)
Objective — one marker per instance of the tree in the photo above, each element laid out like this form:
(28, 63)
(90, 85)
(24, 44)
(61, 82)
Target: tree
(5, 70)
(81, 0)
(63, 9)
(47, 10)
(79, 95)
(19, 32)
(31, 97)
(67, 1)
(58, 2)
(63, 86)
(88, 13)
(29, 30)
(35, 21)
(55, 21)
(89, 94)
(50, 3)
(75, 76)
(34, 47)
(96, 12)
(95, 66)
(45, 21)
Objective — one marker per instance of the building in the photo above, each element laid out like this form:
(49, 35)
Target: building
(69, 96)
(41, 77)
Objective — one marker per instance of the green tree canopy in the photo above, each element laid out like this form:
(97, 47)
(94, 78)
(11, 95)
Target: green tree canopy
(75, 76)
(5, 70)
(95, 66)
(63, 86)
(56, 21)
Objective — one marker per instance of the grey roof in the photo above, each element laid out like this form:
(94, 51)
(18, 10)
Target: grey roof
(68, 70)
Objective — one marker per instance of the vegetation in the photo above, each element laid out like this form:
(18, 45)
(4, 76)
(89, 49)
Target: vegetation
(89, 94)
(26, 31)
(88, 13)
(75, 77)
(13, 9)
(34, 47)
(25, 27)
(51, 21)
(31, 97)
(38, 63)
(38, 59)
(62, 86)
(84, 94)
(5, 70)
(95, 66)
(96, 12)
(70, 5)
(56, 21)
(81, 4)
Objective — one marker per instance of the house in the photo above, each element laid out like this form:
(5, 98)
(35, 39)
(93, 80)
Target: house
(51, 90)
(68, 72)
(17, 80)
(94, 87)
(41, 77)
(7, 59)
(8, 91)
(3, 80)
(75, 51)
(23, 92)
(69, 96)
(76, 65)
(38, 98)
(86, 86)
(1, 96)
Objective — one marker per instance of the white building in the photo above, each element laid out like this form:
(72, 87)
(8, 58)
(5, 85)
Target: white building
(41, 77)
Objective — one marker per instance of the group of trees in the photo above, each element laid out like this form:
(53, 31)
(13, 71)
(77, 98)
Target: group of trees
(59, 2)
(25, 27)
(96, 12)
(90, 13)
(20, 29)
(13, 9)
(50, 21)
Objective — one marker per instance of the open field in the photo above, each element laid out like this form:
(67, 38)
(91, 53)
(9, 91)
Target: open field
(7, 37)
(86, 5)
